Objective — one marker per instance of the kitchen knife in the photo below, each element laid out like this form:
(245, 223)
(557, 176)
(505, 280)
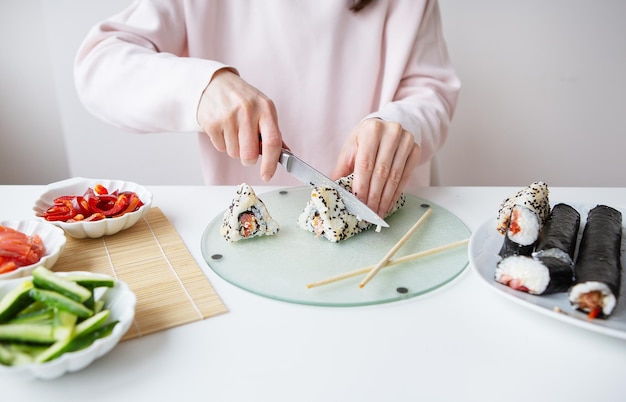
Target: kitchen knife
(307, 174)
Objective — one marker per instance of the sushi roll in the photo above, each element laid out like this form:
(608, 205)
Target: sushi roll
(534, 197)
(537, 276)
(326, 215)
(550, 267)
(522, 232)
(247, 217)
(559, 234)
(598, 267)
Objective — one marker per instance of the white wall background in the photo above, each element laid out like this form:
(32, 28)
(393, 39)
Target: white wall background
(544, 84)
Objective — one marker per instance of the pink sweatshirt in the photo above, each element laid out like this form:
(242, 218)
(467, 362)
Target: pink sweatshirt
(324, 67)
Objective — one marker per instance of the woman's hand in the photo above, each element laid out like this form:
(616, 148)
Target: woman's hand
(382, 156)
(233, 113)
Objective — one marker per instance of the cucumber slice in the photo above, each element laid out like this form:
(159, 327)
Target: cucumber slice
(64, 324)
(93, 322)
(85, 340)
(15, 301)
(61, 302)
(43, 315)
(90, 280)
(35, 306)
(43, 278)
(6, 356)
(84, 328)
(35, 333)
(98, 306)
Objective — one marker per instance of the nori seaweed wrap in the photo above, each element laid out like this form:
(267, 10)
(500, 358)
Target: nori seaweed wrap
(559, 234)
(598, 265)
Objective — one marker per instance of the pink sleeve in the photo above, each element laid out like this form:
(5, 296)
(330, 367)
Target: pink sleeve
(116, 82)
(424, 100)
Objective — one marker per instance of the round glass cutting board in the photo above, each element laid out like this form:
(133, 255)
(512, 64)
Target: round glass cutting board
(281, 266)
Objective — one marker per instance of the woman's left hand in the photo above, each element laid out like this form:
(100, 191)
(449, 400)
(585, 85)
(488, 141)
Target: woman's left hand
(382, 156)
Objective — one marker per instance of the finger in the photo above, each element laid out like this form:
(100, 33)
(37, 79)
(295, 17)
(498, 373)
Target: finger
(367, 144)
(393, 182)
(389, 162)
(217, 139)
(394, 187)
(272, 142)
(248, 137)
(231, 139)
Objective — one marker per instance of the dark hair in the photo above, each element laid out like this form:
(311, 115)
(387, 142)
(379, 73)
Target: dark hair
(358, 5)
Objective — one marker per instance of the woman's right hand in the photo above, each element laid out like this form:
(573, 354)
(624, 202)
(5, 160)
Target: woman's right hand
(233, 113)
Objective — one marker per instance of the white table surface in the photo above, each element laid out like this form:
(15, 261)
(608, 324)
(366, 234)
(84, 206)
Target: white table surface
(463, 342)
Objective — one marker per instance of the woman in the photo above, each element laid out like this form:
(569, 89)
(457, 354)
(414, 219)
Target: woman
(364, 88)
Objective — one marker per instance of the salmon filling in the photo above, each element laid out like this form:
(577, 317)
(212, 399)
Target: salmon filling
(591, 301)
(248, 223)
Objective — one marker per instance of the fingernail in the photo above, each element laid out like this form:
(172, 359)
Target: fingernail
(266, 177)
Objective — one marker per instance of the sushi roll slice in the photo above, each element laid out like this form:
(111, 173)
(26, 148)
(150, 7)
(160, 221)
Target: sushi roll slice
(598, 267)
(247, 216)
(522, 232)
(537, 276)
(534, 197)
(326, 215)
(550, 268)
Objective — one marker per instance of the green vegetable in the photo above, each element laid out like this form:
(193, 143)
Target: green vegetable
(15, 301)
(90, 280)
(83, 341)
(63, 345)
(35, 333)
(50, 315)
(43, 315)
(64, 324)
(61, 302)
(7, 357)
(43, 278)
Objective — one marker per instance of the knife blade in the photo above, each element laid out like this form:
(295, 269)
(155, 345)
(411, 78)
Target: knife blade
(309, 175)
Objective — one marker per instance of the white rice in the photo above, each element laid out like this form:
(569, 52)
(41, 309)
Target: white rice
(524, 271)
(529, 224)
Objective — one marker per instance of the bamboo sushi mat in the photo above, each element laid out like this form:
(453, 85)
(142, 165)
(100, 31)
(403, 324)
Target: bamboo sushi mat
(152, 259)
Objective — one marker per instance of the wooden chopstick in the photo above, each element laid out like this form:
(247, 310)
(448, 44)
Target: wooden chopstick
(395, 248)
(390, 263)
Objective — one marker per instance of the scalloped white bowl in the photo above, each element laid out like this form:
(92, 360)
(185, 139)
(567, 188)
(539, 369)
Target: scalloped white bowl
(119, 299)
(53, 239)
(104, 227)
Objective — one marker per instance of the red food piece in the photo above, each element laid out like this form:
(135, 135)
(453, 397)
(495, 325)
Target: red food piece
(248, 224)
(95, 204)
(18, 249)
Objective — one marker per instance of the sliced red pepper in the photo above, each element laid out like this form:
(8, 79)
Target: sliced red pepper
(59, 212)
(120, 205)
(95, 217)
(80, 205)
(133, 204)
(95, 204)
(594, 313)
(100, 189)
(63, 198)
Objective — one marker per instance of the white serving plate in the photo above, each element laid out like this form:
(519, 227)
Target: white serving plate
(53, 239)
(483, 255)
(104, 227)
(119, 299)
